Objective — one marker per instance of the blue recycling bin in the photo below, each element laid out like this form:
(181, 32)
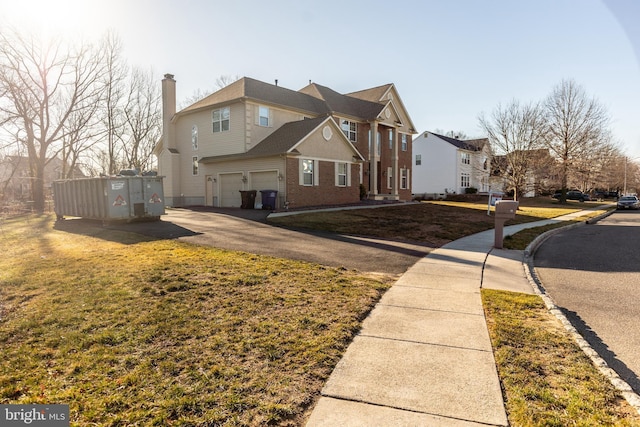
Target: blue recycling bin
(269, 199)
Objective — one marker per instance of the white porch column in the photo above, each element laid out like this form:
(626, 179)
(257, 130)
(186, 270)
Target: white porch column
(373, 160)
(394, 163)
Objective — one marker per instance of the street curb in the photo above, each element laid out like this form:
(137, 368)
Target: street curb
(622, 386)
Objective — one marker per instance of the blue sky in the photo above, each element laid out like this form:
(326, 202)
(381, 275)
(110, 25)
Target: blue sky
(450, 60)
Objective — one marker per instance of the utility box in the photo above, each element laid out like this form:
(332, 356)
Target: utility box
(505, 209)
(110, 198)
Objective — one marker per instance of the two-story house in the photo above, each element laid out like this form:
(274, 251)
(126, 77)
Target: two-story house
(315, 147)
(16, 177)
(449, 165)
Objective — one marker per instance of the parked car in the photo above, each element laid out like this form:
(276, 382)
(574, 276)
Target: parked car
(628, 202)
(602, 195)
(573, 195)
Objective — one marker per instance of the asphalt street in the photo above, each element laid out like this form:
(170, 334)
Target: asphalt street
(247, 230)
(593, 274)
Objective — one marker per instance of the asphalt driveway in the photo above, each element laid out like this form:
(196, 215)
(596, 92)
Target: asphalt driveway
(247, 230)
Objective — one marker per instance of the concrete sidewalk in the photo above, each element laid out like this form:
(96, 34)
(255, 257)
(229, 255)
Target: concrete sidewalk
(423, 356)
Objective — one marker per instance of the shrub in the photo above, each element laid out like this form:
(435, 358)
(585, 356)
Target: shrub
(470, 190)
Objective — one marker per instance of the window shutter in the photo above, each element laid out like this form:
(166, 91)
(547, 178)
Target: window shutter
(300, 172)
(270, 117)
(336, 173)
(316, 168)
(256, 116)
(348, 174)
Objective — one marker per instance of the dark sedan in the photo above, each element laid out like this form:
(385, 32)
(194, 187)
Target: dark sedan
(628, 202)
(573, 195)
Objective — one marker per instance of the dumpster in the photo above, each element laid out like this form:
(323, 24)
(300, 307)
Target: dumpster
(269, 199)
(109, 198)
(248, 199)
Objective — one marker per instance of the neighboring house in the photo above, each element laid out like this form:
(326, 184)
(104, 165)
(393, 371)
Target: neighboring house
(312, 146)
(540, 178)
(449, 165)
(15, 176)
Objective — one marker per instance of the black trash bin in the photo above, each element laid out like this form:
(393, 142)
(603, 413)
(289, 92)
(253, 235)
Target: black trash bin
(248, 199)
(269, 199)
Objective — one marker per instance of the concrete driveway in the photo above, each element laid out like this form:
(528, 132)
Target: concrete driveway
(247, 230)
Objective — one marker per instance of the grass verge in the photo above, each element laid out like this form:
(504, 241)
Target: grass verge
(522, 239)
(136, 332)
(547, 379)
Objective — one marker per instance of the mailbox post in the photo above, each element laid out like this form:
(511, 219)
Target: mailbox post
(505, 209)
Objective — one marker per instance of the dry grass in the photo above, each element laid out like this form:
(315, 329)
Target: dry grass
(547, 379)
(129, 331)
(433, 223)
(132, 331)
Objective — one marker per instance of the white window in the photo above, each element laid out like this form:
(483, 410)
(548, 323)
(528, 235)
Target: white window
(221, 119)
(195, 165)
(404, 179)
(389, 177)
(194, 137)
(466, 158)
(350, 129)
(263, 116)
(464, 180)
(342, 174)
(307, 172)
(404, 142)
(391, 139)
(418, 159)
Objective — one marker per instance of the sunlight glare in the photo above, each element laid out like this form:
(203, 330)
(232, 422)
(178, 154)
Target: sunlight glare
(51, 17)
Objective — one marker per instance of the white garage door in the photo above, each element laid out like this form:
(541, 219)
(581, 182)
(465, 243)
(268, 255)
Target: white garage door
(230, 186)
(263, 181)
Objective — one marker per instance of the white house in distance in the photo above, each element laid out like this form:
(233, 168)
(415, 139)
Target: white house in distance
(448, 165)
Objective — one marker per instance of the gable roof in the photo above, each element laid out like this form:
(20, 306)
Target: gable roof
(314, 99)
(344, 104)
(248, 88)
(282, 141)
(469, 144)
(374, 94)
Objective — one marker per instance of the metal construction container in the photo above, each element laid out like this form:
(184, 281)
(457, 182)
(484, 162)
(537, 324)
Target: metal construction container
(109, 198)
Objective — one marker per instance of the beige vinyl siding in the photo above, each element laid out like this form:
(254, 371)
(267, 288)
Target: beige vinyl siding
(335, 148)
(210, 143)
(277, 118)
(247, 167)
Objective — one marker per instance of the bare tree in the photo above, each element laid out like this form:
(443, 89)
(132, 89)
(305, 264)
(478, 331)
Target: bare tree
(44, 85)
(577, 126)
(226, 80)
(195, 97)
(221, 82)
(515, 131)
(114, 85)
(452, 134)
(143, 120)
